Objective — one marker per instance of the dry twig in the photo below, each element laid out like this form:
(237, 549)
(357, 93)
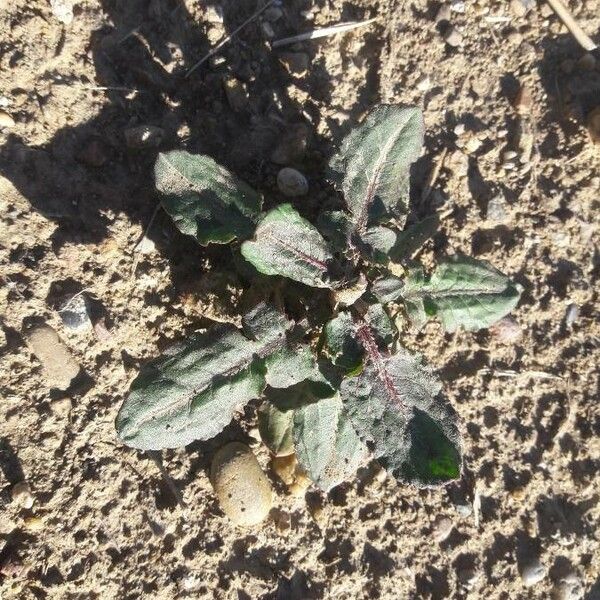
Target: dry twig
(564, 14)
(319, 33)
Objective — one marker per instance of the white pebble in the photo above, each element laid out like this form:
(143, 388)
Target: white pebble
(21, 495)
(533, 573)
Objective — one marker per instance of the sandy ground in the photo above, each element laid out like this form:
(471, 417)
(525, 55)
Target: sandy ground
(76, 194)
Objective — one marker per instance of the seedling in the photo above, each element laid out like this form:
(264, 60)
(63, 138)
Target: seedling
(344, 389)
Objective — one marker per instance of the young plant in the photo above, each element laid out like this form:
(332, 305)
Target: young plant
(347, 390)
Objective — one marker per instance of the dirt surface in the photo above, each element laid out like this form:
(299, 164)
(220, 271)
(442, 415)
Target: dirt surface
(76, 195)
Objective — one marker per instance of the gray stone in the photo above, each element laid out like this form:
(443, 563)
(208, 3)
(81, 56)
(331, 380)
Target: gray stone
(453, 37)
(533, 572)
(143, 136)
(291, 182)
(74, 313)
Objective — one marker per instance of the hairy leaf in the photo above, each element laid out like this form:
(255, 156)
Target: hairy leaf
(387, 289)
(276, 427)
(341, 341)
(286, 244)
(336, 228)
(412, 239)
(395, 407)
(461, 292)
(372, 164)
(326, 444)
(204, 199)
(193, 392)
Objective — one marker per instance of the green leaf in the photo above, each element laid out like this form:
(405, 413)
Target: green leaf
(276, 429)
(377, 242)
(372, 164)
(336, 228)
(193, 391)
(286, 244)
(460, 292)
(326, 444)
(387, 289)
(204, 199)
(341, 342)
(290, 366)
(395, 407)
(412, 239)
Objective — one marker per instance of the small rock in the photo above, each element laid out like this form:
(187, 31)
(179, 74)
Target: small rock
(33, 523)
(568, 588)
(62, 10)
(443, 14)
(59, 367)
(457, 6)
(292, 145)
(532, 572)
(506, 331)
(267, 29)
(496, 210)
(290, 472)
(464, 510)
(242, 488)
(74, 313)
(587, 62)
(523, 100)
(571, 314)
(468, 577)
(291, 182)
(144, 136)
(61, 408)
(472, 145)
(453, 37)
(593, 125)
(295, 62)
(6, 120)
(521, 7)
(442, 527)
(424, 84)
(236, 93)
(509, 155)
(21, 495)
(214, 13)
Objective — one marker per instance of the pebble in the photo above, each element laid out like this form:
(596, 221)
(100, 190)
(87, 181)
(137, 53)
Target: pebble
(453, 37)
(568, 588)
(443, 14)
(295, 62)
(424, 84)
(21, 495)
(521, 7)
(62, 407)
(464, 510)
(59, 366)
(74, 313)
(144, 136)
(506, 331)
(496, 210)
(290, 472)
(442, 527)
(587, 62)
(593, 125)
(33, 523)
(523, 100)
(533, 572)
(214, 14)
(237, 95)
(6, 120)
(62, 10)
(241, 486)
(509, 155)
(572, 314)
(291, 182)
(292, 146)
